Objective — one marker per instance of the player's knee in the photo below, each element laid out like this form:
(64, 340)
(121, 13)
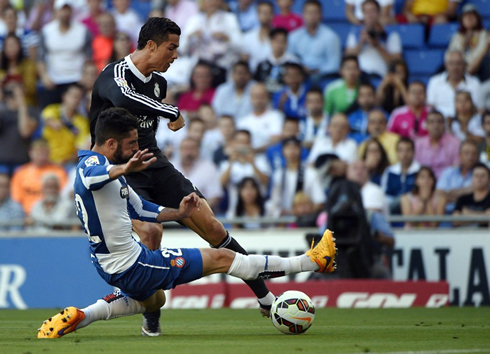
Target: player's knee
(224, 257)
(151, 235)
(215, 232)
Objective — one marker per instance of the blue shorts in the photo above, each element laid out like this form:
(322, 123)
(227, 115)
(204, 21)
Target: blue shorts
(154, 270)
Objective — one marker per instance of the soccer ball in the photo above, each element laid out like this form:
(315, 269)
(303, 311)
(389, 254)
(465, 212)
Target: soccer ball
(292, 312)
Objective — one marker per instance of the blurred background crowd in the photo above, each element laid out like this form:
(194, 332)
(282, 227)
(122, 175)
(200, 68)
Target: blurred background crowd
(303, 108)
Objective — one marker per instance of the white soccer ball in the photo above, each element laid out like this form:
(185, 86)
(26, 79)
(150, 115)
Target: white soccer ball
(292, 312)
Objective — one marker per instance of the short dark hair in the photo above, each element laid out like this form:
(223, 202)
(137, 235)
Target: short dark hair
(371, 2)
(244, 131)
(278, 31)
(406, 140)
(347, 58)
(435, 111)
(267, 3)
(157, 29)
(417, 82)
(481, 165)
(315, 90)
(369, 85)
(241, 63)
(114, 123)
(313, 2)
(293, 65)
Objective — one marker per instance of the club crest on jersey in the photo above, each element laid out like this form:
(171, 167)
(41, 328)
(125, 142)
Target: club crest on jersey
(124, 192)
(178, 262)
(92, 161)
(156, 90)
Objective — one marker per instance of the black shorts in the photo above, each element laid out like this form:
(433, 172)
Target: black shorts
(163, 185)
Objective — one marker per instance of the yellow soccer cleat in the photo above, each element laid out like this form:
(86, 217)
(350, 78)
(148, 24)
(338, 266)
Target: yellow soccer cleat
(62, 323)
(324, 253)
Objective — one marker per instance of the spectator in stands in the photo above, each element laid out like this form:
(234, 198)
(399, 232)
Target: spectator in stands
(14, 66)
(271, 70)
(336, 143)
(256, 42)
(400, 178)
(410, 120)
(201, 90)
(227, 128)
(429, 11)
(246, 13)
(233, 97)
(11, 213)
(438, 149)
(29, 39)
(317, 121)
(375, 48)
(376, 160)
(90, 20)
(264, 123)
(18, 122)
(376, 128)
(315, 44)
(466, 124)
(455, 181)
(127, 19)
(472, 40)
(478, 201)
(122, 46)
(422, 199)
(65, 130)
(304, 211)
(294, 177)
(180, 11)
(342, 93)
(442, 88)
(52, 211)
(392, 91)
(213, 35)
(103, 43)
(292, 98)
(243, 162)
(203, 173)
(286, 18)
(40, 15)
(65, 46)
(26, 180)
(354, 14)
(89, 75)
(212, 138)
(484, 146)
(250, 203)
(358, 118)
(274, 153)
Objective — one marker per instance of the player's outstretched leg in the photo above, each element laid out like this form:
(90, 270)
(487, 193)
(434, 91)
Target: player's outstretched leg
(111, 306)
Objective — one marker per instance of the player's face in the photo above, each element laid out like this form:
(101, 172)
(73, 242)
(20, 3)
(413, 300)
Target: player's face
(166, 53)
(126, 148)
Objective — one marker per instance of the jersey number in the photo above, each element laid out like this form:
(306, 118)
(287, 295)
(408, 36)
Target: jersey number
(82, 214)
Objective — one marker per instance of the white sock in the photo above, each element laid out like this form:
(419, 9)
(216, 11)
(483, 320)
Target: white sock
(267, 300)
(254, 266)
(112, 306)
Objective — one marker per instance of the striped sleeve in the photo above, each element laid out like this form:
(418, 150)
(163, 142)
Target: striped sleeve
(120, 94)
(142, 209)
(95, 177)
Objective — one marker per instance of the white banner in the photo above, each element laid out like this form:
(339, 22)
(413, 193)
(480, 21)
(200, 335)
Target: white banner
(462, 257)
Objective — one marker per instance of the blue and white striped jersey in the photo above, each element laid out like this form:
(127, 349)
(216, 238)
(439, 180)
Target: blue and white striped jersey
(105, 208)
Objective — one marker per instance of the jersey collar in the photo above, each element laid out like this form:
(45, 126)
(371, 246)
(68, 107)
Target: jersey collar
(135, 70)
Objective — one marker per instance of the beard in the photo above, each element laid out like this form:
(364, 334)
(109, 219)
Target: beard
(119, 158)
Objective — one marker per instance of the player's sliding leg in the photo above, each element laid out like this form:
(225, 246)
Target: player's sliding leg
(151, 236)
(320, 258)
(111, 306)
(205, 224)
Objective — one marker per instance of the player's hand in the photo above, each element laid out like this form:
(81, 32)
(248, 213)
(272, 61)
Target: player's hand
(140, 161)
(189, 204)
(178, 124)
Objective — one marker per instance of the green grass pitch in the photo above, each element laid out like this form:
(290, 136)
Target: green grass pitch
(408, 331)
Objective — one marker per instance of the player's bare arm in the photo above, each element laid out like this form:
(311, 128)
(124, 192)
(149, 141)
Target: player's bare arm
(187, 207)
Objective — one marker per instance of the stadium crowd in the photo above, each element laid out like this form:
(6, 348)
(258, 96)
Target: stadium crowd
(281, 98)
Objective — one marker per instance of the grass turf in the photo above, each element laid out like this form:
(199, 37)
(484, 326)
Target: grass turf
(445, 330)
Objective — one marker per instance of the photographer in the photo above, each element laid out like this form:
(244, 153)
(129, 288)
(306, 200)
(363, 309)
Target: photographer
(374, 47)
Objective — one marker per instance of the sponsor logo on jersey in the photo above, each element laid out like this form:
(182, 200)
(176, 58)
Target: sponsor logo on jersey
(156, 90)
(121, 82)
(92, 161)
(124, 192)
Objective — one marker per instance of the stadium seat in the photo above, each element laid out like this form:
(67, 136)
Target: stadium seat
(424, 62)
(334, 11)
(422, 78)
(486, 23)
(342, 29)
(440, 35)
(143, 8)
(297, 6)
(399, 6)
(483, 7)
(412, 35)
